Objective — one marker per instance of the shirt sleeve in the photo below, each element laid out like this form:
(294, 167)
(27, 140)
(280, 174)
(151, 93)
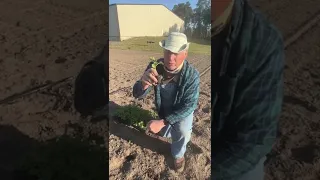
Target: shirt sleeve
(138, 91)
(189, 102)
(254, 115)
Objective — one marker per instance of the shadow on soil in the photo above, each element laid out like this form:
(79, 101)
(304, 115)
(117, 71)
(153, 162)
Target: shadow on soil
(297, 101)
(66, 157)
(143, 140)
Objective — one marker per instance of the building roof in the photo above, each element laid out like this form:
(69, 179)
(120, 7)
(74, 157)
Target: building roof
(147, 5)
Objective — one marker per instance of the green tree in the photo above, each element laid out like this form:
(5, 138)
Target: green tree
(197, 22)
(202, 19)
(185, 12)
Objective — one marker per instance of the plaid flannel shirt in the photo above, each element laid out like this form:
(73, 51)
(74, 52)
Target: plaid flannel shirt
(247, 108)
(187, 94)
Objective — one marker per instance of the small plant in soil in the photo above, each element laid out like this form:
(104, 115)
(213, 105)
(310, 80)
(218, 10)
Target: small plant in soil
(154, 62)
(157, 65)
(134, 116)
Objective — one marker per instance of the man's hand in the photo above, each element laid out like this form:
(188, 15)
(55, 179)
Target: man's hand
(149, 78)
(155, 125)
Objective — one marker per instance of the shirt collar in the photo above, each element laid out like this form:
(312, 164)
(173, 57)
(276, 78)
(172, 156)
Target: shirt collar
(220, 23)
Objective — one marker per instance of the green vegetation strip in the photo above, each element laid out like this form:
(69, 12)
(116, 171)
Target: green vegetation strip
(134, 116)
(152, 44)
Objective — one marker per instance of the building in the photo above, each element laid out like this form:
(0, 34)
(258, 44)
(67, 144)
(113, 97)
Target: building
(139, 20)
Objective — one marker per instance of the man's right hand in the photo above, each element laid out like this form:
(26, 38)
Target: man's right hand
(149, 78)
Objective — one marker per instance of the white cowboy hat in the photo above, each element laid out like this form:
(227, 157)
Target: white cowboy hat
(176, 42)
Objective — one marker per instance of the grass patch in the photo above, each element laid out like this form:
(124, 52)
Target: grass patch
(197, 46)
(134, 116)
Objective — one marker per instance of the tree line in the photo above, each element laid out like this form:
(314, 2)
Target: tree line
(197, 21)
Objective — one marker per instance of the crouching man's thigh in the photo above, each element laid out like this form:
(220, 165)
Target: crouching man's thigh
(183, 128)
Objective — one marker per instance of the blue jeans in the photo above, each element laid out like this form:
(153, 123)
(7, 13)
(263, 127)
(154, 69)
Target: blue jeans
(180, 134)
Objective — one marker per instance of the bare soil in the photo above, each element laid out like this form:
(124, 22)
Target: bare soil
(296, 152)
(42, 42)
(297, 149)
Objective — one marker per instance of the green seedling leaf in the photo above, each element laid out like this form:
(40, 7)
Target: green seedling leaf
(155, 63)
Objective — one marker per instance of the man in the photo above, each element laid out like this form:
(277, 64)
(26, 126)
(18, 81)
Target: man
(247, 90)
(176, 95)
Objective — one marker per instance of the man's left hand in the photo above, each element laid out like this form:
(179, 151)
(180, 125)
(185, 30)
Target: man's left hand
(155, 125)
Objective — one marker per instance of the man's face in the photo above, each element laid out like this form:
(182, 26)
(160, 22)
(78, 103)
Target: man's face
(218, 7)
(173, 60)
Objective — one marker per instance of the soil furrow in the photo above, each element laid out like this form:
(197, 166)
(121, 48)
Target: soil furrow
(287, 15)
(44, 59)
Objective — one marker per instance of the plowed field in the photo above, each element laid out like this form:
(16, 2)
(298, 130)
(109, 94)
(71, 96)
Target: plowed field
(43, 41)
(152, 158)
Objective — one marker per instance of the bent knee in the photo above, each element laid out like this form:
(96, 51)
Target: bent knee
(184, 127)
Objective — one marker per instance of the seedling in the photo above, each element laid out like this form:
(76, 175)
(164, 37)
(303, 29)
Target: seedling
(134, 116)
(159, 67)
